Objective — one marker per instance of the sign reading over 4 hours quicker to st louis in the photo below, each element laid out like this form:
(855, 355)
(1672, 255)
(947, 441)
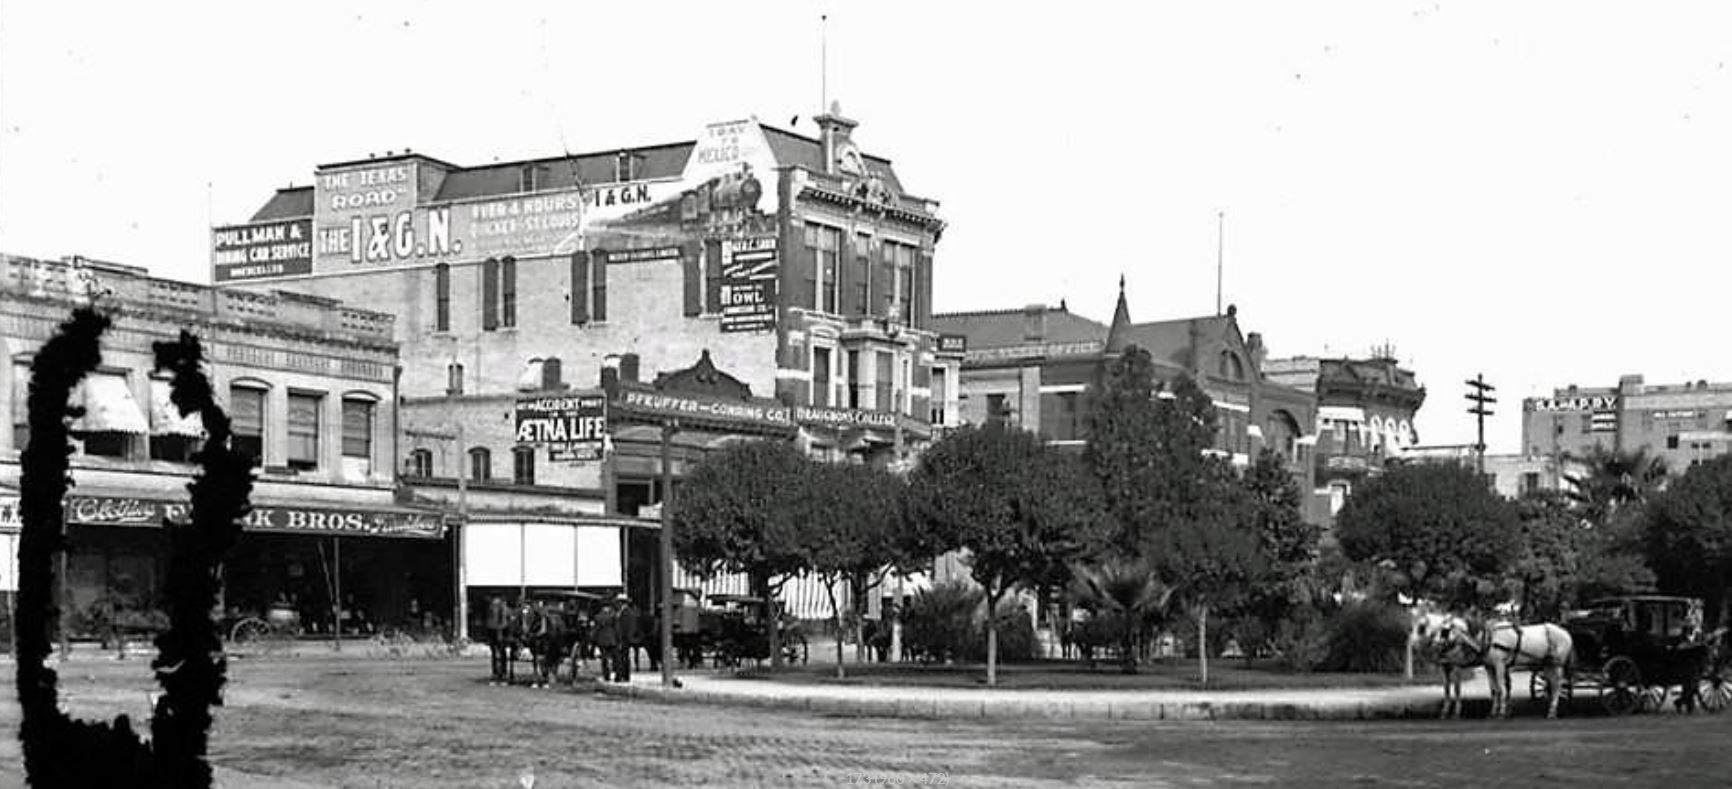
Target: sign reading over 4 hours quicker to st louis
(572, 428)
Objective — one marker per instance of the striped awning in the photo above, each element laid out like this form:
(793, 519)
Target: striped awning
(165, 418)
(108, 406)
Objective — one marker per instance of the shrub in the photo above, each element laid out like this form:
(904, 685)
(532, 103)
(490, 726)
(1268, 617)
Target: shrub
(1017, 642)
(939, 624)
(1301, 640)
(1367, 637)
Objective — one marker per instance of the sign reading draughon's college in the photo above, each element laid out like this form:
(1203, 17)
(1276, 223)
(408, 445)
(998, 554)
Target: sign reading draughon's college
(572, 428)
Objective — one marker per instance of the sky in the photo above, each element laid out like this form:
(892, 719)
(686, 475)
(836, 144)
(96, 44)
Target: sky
(1538, 192)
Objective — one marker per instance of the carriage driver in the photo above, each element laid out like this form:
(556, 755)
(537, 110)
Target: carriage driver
(604, 636)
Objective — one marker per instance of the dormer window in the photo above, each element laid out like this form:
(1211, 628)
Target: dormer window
(625, 167)
(527, 179)
(1231, 368)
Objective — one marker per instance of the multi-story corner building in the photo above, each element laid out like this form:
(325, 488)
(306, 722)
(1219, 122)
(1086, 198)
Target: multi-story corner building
(1365, 414)
(1032, 367)
(310, 384)
(1682, 424)
(798, 267)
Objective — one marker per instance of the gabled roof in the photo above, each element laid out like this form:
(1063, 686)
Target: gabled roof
(1170, 340)
(1006, 328)
(562, 172)
(290, 203)
(801, 151)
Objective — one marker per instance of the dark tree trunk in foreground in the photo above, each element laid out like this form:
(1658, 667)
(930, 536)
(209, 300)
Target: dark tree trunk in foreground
(60, 751)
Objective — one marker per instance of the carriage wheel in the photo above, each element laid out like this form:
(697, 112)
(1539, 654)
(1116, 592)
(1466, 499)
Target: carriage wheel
(1621, 691)
(249, 631)
(1714, 693)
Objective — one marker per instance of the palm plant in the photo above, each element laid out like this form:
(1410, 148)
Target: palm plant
(1127, 595)
(1613, 479)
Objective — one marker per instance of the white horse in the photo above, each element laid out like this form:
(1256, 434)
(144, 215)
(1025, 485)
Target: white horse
(1501, 647)
(1453, 656)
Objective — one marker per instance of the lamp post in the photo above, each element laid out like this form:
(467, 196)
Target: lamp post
(669, 428)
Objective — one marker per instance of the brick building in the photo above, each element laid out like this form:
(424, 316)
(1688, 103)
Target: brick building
(310, 384)
(1032, 368)
(1365, 414)
(798, 267)
(1682, 424)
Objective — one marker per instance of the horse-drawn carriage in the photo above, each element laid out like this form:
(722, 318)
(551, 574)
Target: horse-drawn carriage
(1633, 650)
(732, 629)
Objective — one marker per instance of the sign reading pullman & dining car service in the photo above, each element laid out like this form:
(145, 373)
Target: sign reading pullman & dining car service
(572, 428)
(133, 511)
(281, 248)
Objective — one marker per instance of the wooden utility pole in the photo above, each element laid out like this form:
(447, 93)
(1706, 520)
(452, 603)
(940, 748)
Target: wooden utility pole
(1480, 400)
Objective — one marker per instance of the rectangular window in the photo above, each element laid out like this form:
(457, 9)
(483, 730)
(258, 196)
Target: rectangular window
(247, 421)
(997, 412)
(862, 304)
(713, 276)
(523, 466)
(1530, 482)
(901, 286)
(480, 465)
(1587, 423)
(508, 292)
(826, 244)
(1058, 416)
(442, 297)
(20, 406)
(357, 429)
(578, 294)
(938, 393)
(1672, 441)
(821, 377)
(598, 280)
(886, 382)
(304, 431)
(454, 379)
(489, 294)
(855, 385)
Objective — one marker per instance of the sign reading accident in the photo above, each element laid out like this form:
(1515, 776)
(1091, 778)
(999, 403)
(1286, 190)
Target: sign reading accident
(262, 249)
(572, 428)
(749, 284)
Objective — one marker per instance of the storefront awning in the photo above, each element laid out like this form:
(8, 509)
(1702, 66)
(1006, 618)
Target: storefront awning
(267, 516)
(165, 418)
(108, 407)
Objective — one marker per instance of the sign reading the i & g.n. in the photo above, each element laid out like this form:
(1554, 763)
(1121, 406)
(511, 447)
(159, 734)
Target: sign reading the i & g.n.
(572, 427)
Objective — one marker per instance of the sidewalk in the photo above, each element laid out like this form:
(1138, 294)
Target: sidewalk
(986, 703)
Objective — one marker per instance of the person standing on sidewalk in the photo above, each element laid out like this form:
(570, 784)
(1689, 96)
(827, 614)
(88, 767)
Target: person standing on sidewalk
(606, 640)
(627, 622)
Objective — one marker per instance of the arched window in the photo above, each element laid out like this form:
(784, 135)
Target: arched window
(480, 465)
(1231, 368)
(523, 465)
(419, 465)
(1280, 432)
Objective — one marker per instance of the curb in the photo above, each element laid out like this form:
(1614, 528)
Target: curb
(1010, 707)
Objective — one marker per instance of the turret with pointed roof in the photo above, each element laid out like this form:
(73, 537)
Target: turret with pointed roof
(1118, 334)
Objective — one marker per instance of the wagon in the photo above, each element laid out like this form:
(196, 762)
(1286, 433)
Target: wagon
(733, 626)
(1632, 651)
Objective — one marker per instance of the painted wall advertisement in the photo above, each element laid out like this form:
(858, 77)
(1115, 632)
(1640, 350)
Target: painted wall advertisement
(282, 248)
(749, 270)
(572, 428)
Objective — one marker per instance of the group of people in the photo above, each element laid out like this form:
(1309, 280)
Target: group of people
(613, 633)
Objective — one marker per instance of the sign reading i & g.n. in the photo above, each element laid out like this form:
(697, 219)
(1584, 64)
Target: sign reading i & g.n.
(749, 284)
(572, 427)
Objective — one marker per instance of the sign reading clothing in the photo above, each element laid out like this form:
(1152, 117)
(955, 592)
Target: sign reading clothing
(572, 428)
(749, 284)
(129, 511)
(262, 249)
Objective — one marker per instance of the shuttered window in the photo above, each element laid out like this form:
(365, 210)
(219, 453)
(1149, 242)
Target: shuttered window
(713, 276)
(304, 431)
(508, 292)
(357, 429)
(598, 279)
(442, 297)
(247, 421)
(579, 293)
(489, 294)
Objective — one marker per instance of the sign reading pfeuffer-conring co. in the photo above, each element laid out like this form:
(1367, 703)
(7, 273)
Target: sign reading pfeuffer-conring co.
(572, 427)
(677, 405)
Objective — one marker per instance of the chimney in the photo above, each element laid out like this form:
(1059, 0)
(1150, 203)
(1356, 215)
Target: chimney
(1034, 322)
(610, 372)
(1254, 344)
(833, 130)
(628, 368)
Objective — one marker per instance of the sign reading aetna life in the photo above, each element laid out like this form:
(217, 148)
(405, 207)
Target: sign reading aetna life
(749, 284)
(132, 511)
(572, 428)
(281, 248)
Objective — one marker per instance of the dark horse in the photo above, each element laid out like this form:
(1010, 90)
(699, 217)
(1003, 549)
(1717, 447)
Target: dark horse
(528, 627)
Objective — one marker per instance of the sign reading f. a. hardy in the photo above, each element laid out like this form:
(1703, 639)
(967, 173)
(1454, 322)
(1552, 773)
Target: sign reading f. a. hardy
(572, 427)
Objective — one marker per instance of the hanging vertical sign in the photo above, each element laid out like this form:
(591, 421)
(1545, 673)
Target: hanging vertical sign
(572, 428)
(749, 268)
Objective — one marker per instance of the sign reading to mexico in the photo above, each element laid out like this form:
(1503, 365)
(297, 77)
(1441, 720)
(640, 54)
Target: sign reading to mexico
(572, 428)
(280, 248)
(749, 284)
(133, 511)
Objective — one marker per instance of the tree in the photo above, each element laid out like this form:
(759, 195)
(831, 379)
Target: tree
(853, 524)
(1288, 544)
(740, 511)
(1433, 531)
(1688, 535)
(1615, 479)
(1144, 444)
(1016, 506)
(1211, 552)
(1547, 570)
(1123, 593)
